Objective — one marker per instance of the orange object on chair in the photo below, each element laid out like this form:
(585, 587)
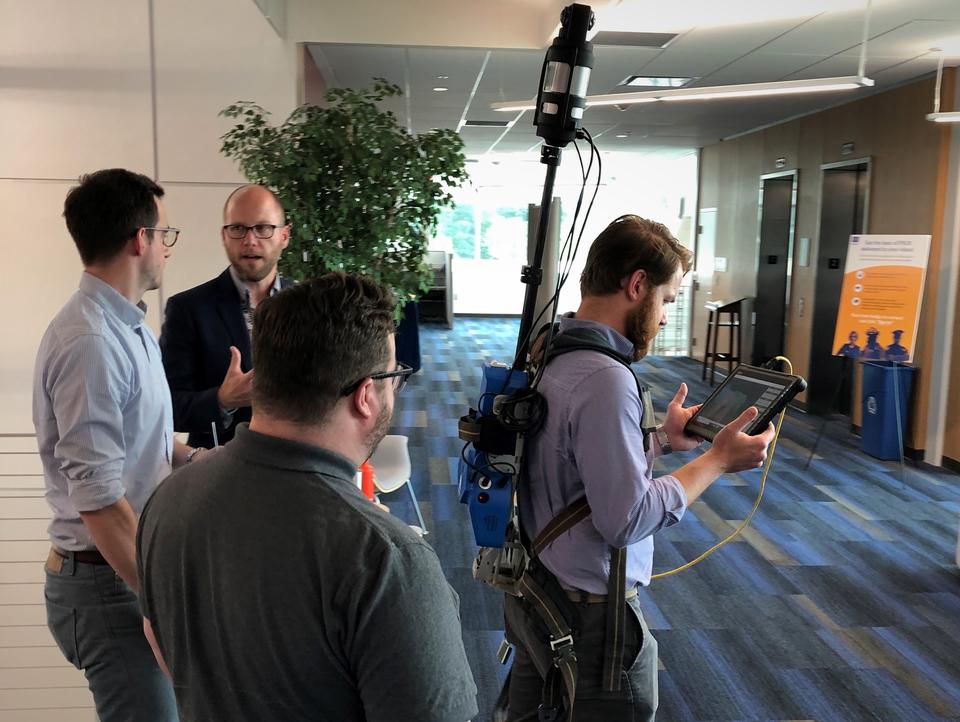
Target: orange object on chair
(366, 480)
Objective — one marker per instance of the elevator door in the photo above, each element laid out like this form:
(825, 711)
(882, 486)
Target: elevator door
(842, 213)
(778, 197)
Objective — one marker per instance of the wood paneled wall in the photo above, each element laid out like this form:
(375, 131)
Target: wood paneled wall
(908, 172)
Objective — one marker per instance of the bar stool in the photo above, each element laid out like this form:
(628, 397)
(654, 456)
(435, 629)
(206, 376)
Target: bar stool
(715, 322)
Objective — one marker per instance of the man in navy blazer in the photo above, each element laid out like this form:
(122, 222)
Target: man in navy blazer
(206, 330)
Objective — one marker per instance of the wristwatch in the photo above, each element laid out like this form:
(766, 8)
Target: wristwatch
(663, 440)
(190, 454)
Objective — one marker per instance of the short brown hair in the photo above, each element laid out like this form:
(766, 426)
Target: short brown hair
(107, 209)
(626, 245)
(314, 339)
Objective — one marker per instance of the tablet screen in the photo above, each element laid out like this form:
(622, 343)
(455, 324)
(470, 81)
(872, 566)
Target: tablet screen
(738, 394)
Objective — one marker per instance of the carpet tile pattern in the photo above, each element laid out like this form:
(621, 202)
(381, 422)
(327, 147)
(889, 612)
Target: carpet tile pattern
(841, 602)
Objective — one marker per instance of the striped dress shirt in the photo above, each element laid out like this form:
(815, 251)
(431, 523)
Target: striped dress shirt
(101, 409)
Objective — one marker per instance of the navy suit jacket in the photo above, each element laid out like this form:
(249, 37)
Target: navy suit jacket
(200, 325)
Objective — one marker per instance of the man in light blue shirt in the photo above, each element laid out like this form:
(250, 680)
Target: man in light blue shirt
(102, 413)
(591, 445)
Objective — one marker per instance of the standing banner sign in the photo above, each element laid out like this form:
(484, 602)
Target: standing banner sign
(880, 302)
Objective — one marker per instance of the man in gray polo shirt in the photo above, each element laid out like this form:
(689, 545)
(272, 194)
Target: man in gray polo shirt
(591, 446)
(271, 586)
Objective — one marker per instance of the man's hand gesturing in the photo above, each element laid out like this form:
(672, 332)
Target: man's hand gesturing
(236, 390)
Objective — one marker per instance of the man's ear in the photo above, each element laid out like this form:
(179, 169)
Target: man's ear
(140, 241)
(363, 402)
(636, 284)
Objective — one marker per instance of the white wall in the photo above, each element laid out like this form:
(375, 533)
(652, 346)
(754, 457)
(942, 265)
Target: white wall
(452, 23)
(83, 86)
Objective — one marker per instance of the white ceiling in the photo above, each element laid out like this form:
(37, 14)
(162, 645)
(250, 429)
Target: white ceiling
(719, 43)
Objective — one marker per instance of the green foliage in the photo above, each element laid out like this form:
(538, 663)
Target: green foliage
(361, 193)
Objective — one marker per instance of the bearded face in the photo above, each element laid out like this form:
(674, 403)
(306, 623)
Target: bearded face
(642, 325)
(382, 425)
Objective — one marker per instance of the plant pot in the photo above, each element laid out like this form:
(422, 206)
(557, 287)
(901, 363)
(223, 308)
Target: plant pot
(408, 337)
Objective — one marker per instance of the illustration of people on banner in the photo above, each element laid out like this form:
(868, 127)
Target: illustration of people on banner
(880, 300)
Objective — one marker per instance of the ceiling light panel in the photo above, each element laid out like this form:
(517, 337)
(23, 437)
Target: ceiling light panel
(644, 81)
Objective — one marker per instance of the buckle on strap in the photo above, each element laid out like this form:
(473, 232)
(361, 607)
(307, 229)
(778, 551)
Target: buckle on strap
(561, 646)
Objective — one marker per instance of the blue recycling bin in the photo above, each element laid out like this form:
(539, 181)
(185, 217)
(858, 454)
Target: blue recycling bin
(881, 398)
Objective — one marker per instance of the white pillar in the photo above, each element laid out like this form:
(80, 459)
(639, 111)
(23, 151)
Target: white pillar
(944, 325)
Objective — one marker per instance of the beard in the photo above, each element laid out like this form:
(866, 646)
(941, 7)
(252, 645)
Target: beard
(379, 430)
(258, 271)
(641, 327)
(256, 275)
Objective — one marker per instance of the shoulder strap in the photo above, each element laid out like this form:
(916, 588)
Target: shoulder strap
(582, 339)
(564, 521)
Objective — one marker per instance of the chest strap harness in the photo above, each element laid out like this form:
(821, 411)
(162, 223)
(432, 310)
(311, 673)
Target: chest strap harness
(541, 592)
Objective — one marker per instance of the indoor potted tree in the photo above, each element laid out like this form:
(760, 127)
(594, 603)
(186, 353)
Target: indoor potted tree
(361, 193)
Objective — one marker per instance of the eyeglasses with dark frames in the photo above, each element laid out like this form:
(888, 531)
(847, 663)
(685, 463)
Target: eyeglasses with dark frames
(165, 233)
(239, 231)
(399, 377)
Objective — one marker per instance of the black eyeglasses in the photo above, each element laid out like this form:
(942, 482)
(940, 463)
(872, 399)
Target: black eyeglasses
(399, 377)
(238, 231)
(165, 234)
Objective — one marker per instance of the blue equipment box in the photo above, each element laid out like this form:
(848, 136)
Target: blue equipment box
(488, 491)
(498, 380)
(488, 496)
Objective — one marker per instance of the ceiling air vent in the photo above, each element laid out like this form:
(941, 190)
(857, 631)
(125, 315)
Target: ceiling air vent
(486, 123)
(634, 40)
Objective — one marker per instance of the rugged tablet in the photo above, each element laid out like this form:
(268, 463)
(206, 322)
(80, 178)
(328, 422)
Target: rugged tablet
(747, 386)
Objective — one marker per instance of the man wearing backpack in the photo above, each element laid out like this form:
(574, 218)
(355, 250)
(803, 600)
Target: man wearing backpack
(592, 446)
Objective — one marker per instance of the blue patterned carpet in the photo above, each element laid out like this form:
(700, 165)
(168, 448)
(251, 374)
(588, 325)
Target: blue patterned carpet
(840, 602)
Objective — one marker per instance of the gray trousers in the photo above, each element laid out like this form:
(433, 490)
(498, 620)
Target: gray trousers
(638, 696)
(95, 620)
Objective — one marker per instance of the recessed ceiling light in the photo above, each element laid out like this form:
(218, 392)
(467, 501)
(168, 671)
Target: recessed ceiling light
(646, 81)
(623, 135)
(442, 77)
(440, 89)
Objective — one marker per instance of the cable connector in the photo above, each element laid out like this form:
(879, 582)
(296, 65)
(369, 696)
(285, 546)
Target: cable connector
(522, 412)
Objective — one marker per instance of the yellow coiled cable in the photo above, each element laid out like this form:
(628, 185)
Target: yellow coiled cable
(763, 483)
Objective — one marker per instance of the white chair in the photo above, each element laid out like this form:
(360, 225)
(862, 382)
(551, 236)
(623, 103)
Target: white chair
(391, 468)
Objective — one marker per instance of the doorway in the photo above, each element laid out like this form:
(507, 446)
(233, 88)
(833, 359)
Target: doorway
(843, 212)
(777, 221)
